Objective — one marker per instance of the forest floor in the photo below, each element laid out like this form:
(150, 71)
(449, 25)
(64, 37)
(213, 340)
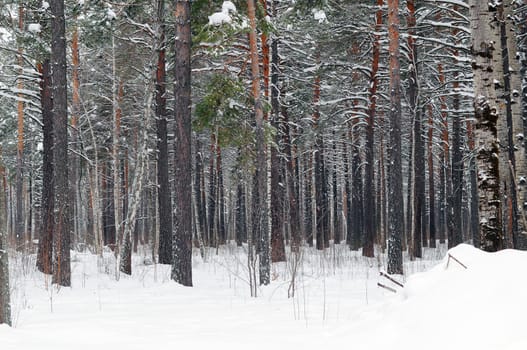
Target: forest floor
(337, 303)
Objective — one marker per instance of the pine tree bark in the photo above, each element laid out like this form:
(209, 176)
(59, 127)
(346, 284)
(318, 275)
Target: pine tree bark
(395, 195)
(278, 186)
(431, 182)
(45, 242)
(62, 200)
(369, 198)
(262, 229)
(182, 234)
(5, 302)
(19, 212)
(163, 191)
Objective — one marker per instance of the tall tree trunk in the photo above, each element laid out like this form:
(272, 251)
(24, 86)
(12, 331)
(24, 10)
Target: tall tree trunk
(213, 238)
(62, 229)
(446, 195)
(198, 193)
(487, 114)
(431, 182)
(369, 198)
(348, 196)
(19, 212)
(278, 186)
(357, 209)
(418, 199)
(5, 302)
(182, 239)
(517, 165)
(395, 195)
(261, 225)
(45, 242)
(75, 180)
(474, 213)
(222, 233)
(292, 185)
(163, 193)
(457, 157)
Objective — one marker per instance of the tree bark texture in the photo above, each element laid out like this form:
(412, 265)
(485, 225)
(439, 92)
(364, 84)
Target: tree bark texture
(484, 41)
(62, 230)
(182, 239)
(163, 192)
(45, 242)
(395, 188)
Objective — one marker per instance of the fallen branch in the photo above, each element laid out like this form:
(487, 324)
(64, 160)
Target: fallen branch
(384, 274)
(453, 258)
(386, 287)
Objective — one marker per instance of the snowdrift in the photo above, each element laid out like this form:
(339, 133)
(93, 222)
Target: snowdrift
(337, 305)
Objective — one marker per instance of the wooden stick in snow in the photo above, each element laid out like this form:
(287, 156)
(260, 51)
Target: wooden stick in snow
(386, 287)
(384, 274)
(453, 258)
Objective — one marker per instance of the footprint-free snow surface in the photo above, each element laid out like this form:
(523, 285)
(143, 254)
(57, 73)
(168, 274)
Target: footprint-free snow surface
(336, 304)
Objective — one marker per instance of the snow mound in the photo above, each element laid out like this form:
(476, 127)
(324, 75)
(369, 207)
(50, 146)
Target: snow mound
(482, 306)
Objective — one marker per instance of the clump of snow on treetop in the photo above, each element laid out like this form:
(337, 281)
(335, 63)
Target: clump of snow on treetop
(219, 18)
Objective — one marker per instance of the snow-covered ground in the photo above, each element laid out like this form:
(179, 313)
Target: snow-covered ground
(337, 303)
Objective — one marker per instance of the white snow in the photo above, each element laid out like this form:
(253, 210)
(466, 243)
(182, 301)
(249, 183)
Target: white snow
(319, 15)
(34, 27)
(110, 14)
(219, 18)
(337, 304)
(228, 6)
(45, 5)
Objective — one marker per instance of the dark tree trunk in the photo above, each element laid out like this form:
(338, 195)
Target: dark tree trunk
(348, 195)
(369, 196)
(62, 229)
(292, 185)
(457, 177)
(308, 199)
(278, 189)
(431, 182)
(337, 232)
(212, 233)
(418, 201)
(357, 210)
(163, 191)
(319, 193)
(198, 193)
(222, 232)
(45, 242)
(241, 219)
(182, 234)
(395, 195)
(5, 302)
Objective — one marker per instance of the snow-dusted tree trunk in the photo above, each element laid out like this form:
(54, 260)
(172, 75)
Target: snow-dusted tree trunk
(511, 103)
(395, 186)
(261, 217)
(182, 234)
(19, 212)
(484, 50)
(62, 199)
(5, 305)
(45, 246)
(369, 198)
(163, 191)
